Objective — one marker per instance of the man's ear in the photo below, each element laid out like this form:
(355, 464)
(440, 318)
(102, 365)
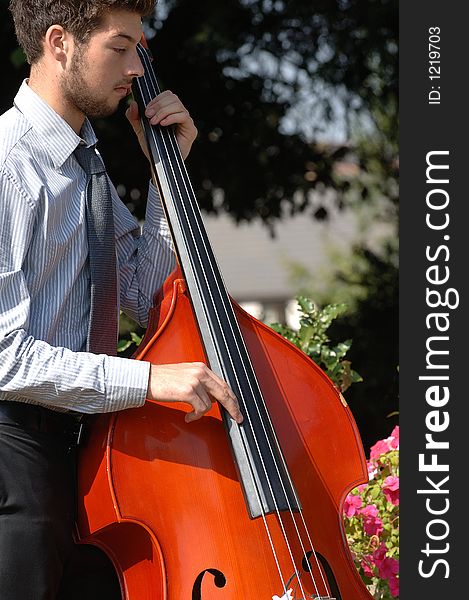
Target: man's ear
(58, 43)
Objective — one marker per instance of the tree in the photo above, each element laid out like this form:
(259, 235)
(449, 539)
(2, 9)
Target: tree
(263, 78)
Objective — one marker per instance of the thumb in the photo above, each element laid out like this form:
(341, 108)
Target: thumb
(133, 117)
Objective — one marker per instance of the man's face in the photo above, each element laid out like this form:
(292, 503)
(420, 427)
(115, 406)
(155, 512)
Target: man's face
(100, 72)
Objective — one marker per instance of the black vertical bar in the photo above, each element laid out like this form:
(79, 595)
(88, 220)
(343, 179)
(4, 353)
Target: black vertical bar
(257, 453)
(434, 292)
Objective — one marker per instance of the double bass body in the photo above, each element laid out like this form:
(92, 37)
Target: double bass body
(163, 500)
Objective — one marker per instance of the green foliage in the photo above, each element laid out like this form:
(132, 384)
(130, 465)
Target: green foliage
(125, 343)
(130, 336)
(312, 339)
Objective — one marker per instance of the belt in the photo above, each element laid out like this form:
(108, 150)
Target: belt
(42, 420)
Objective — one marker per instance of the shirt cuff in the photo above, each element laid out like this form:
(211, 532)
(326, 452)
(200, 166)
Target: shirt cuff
(126, 383)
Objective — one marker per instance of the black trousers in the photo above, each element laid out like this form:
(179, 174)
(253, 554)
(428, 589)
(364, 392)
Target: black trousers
(38, 558)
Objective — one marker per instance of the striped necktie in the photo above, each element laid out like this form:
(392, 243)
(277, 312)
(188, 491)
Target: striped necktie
(103, 324)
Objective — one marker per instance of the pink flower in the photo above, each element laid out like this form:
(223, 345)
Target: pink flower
(372, 469)
(391, 489)
(380, 553)
(394, 586)
(372, 524)
(388, 567)
(367, 566)
(395, 438)
(370, 511)
(381, 447)
(352, 504)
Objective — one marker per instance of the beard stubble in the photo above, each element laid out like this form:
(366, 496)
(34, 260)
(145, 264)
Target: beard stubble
(77, 92)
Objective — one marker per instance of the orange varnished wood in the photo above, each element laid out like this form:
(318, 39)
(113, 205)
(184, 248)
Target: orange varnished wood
(162, 498)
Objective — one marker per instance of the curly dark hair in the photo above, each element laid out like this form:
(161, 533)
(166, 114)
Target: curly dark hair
(33, 18)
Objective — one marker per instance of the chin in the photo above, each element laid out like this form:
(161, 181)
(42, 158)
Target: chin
(103, 111)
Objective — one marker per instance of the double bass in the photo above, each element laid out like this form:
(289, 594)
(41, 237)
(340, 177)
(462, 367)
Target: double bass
(213, 509)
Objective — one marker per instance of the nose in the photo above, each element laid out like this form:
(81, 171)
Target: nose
(135, 67)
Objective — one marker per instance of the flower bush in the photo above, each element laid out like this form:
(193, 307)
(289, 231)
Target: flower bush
(371, 516)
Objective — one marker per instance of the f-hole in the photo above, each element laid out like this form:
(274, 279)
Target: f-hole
(332, 583)
(218, 578)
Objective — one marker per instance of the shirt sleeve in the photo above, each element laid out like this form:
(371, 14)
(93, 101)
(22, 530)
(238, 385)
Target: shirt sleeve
(145, 255)
(31, 370)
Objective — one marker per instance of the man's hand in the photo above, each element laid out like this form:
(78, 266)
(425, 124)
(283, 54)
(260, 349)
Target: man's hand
(165, 109)
(194, 384)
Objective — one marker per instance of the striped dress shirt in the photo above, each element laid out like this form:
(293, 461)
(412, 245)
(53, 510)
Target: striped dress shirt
(44, 270)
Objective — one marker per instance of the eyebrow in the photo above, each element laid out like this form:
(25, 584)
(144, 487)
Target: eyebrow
(126, 36)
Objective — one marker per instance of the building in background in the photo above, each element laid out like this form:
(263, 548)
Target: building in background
(259, 269)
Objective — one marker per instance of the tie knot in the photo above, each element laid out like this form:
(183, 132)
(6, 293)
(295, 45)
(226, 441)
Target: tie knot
(89, 161)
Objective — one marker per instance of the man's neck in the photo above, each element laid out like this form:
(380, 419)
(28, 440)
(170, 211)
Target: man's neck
(49, 89)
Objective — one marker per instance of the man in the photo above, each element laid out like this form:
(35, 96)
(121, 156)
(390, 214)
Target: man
(83, 59)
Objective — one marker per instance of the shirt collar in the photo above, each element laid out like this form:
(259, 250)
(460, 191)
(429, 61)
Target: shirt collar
(60, 139)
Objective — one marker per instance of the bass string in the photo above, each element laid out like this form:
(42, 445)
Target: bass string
(176, 157)
(228, 309)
